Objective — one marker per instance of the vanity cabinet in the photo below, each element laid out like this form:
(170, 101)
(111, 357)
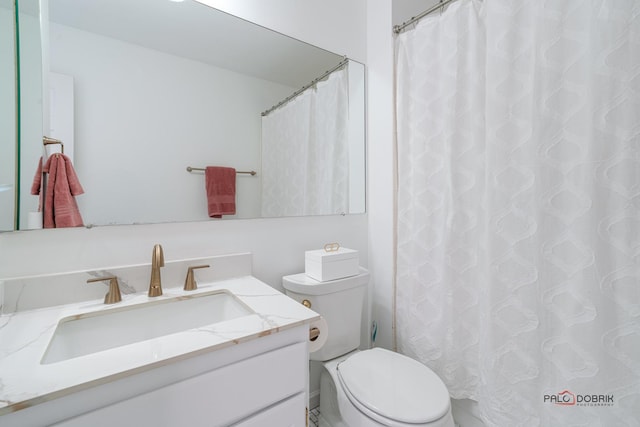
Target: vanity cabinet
(263, 382)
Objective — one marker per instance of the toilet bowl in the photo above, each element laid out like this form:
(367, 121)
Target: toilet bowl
(367, 388)
(378, 387)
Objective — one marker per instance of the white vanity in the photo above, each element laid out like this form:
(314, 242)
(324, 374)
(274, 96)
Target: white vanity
(232, 352)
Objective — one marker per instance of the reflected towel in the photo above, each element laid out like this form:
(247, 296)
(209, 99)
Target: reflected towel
(37, 184)
(220, 183)
(60, 207)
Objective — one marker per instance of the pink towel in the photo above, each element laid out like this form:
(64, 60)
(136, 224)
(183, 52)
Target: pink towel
(37, 179)
(220, 183)
(60, 207)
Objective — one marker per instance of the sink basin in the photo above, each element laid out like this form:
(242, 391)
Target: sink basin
(84, 334)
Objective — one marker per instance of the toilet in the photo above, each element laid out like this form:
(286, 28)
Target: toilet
(368, 388)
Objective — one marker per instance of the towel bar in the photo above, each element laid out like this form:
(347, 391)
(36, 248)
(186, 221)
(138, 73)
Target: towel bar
(190, 169)
(48, 141)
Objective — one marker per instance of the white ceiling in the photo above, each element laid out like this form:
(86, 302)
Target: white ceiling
(199, 32)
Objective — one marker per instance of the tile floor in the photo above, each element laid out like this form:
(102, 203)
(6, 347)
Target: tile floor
(313, 417)
(314, 414)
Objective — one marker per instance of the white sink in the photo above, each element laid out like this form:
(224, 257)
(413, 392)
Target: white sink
(89, 333)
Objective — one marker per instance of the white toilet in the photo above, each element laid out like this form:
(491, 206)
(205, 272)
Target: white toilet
(366, 388)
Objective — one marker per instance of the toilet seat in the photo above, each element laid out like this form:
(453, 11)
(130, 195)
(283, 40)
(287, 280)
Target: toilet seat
(393, 389)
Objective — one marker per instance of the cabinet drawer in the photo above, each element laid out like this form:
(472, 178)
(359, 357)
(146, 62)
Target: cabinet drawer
(290, 413)
(216, 398)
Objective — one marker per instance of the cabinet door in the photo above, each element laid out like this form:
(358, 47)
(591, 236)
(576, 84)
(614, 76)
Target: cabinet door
(217, 398)
(290, 413)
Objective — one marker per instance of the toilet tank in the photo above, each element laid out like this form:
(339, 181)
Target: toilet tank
(340, 302)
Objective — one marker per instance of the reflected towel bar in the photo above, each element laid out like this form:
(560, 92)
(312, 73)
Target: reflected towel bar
(190, 169)
(48, 141)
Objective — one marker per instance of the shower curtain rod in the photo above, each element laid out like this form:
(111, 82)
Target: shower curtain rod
(397, 29)
(314, 81)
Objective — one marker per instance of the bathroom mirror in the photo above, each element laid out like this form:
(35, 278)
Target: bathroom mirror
(141, 90)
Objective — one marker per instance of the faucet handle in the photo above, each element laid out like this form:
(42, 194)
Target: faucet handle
(190, 281)
(113, 296)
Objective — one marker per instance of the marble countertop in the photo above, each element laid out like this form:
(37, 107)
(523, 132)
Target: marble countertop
(25, 335)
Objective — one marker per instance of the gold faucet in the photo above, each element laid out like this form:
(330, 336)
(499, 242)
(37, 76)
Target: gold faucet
(113, 296)
(157, 261)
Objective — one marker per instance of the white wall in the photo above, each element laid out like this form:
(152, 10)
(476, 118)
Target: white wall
(403, 10)
(381, 170)
(357, 138)
(277, 244)
(143, 116)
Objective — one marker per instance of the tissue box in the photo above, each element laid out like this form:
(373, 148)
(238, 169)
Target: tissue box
(324, 266)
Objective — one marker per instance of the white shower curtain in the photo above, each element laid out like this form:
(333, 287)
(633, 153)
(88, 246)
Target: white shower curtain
(305, 156)
(518, 224)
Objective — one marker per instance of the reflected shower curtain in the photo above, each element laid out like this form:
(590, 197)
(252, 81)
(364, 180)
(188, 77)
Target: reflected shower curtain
(518, 225)
(305, 163)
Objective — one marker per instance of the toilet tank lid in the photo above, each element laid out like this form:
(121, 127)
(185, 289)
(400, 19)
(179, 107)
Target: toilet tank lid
(303, 284)
(394, 386)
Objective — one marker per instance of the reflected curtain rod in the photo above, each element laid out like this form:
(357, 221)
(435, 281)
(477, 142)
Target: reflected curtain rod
(313, 82)
(397, 29)
(190, 169)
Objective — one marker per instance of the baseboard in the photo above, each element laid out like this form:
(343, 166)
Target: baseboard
(314, 399)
